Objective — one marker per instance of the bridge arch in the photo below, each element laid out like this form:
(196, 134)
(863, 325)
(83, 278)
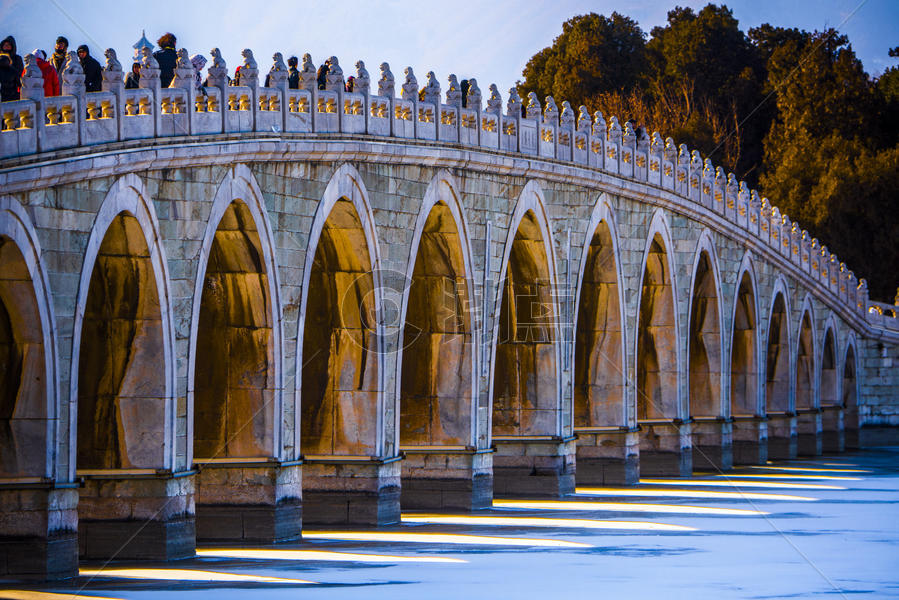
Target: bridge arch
(234, 365)
(658, 354)
(849, 388)
(829, 381)
(745, 348)
(341, 308)
(705, 343)
(31, 404)
(778, 376)
(123, 339)
(526, 359)
(805, 361)
(600, 348)
(436, 380)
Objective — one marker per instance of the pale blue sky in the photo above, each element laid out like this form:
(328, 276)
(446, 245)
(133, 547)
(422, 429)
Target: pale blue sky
(491, 40)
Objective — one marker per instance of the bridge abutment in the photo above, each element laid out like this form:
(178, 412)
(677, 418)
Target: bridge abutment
(809, 438)
(833, 436)
(249, 501)
(665, 448)
(750, 440)
(344, 491)
(608, 457)
(441, 478)
(38, 531)
(136, 515)
(534, 466)
(783, 441)
(712, 444)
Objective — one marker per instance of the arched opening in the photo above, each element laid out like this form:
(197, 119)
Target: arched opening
(234, 374)
(850, 399)
(524, 384)
(435, 392)
(657, 339)
(339, 361)
(599, 393)
(805, 368)
(777, 372)
(829, 372)
(743, 366)
(705, 344)
(23, 376)
(121, 390)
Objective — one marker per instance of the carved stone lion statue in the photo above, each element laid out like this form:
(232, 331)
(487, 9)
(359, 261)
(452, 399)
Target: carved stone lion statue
(533, 109)
(387, 83)
(112, 62)
(453, 93)
(278, 63)
(363, 80)
(147, 60)
(432, 89)
(513, 105)
(550, 111)
(217, 61)
(335, 75)
(474, 94)
(583, 120)
(410, 86)
(495, 101)
(248, 61)
(566, 119)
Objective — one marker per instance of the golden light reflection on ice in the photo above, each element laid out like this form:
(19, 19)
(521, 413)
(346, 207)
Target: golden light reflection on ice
(438, 538)
(185, 575)
(542, 522)
(625, 507)
(30, 595)
(669, 493)
(741, 483)
(319, 555)
(791, 476)
(809, 469)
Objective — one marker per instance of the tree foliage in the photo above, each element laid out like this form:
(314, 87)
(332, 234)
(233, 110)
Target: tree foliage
(790, 111)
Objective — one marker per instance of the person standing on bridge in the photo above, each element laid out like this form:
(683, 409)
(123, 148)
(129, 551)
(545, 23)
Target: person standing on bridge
(167, 58)
(8, 47)
(93, 72)
(293, 74)
(51, 79)
(60, 55)
(132, 79)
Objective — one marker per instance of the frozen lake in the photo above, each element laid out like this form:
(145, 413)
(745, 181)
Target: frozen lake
(825, 527)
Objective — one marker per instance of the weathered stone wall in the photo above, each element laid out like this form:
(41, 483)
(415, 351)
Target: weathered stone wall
(285, 195)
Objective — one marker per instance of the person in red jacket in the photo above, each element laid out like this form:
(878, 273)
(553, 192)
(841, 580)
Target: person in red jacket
(51, 79)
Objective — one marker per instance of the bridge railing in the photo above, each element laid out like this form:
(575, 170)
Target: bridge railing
(37, 124)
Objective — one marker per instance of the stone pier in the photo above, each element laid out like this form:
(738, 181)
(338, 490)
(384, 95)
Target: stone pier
(607, 456)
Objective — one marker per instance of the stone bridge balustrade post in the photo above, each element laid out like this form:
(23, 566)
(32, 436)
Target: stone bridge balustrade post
(32, 89)
(682, 171)
(861, 295)
(708, 183)
(277, 80)
(834, 270)
(694, 192)
(185, 78)
(598, 135)
(669, 163)
(641, 156)
(656, 159)
(737, 195)
(217, 77)
(628, 150)
(805, 250)
(114, 82)
(72, 84)
(387, 89)
(754, 212)
(249, 78)
(795, 244)
(613, 146)
(149, 80)
(786, 236)
(510, 123)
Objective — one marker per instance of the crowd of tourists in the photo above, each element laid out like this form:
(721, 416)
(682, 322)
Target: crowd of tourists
(12, 69)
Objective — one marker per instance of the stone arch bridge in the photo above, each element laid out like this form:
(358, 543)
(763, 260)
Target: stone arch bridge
(224, 313)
